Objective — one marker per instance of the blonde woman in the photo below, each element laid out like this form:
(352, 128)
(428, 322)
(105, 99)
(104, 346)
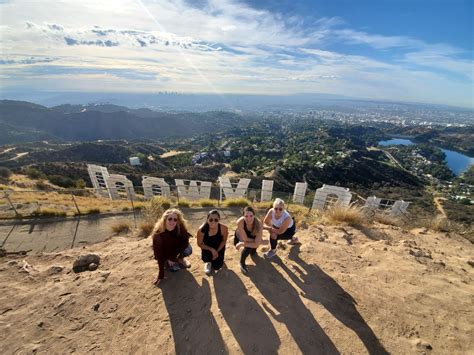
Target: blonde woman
(247, 236)
(279, 223)
(171, 242)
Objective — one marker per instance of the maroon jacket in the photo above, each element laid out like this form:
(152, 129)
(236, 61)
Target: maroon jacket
(167, 246)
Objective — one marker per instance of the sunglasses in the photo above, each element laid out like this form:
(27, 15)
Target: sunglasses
(213, 219)
(278, 209)
(171, 219)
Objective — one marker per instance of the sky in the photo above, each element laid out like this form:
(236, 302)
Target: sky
(401, 50)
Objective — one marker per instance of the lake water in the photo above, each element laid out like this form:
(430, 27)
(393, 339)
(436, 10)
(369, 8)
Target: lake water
(457, 162)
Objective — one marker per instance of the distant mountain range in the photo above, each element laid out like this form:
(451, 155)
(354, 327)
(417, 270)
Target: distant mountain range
(22, 121)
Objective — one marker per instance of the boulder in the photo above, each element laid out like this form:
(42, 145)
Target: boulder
(82, 263)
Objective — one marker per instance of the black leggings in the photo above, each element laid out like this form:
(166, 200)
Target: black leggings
(288, 234)
(206, 256)
(245, 251)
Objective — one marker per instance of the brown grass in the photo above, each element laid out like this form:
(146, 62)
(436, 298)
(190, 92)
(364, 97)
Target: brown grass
(351, 216)
(206, 202)
(121, 227)
(184, 203)
(236, 202)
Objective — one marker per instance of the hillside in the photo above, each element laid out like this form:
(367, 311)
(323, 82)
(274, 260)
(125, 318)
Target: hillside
(20, 118)
(377, 289)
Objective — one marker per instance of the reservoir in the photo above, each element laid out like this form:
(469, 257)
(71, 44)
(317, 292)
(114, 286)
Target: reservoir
(457, 162)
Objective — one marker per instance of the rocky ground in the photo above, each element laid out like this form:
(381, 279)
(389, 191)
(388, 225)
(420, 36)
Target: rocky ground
(376, 289)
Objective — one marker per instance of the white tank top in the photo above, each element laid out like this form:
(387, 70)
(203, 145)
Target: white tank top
(278, 222)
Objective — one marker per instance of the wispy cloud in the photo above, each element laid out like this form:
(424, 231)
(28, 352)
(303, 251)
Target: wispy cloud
(220, 45)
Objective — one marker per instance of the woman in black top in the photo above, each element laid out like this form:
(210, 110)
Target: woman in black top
(211, 238)
(248, 236)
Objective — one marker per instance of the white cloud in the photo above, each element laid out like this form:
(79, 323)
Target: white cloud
(224, 46)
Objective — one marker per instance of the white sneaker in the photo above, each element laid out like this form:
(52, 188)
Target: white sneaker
(270, 254)
(207, 268)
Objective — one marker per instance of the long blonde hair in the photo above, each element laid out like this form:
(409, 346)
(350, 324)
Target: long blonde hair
(160, 225)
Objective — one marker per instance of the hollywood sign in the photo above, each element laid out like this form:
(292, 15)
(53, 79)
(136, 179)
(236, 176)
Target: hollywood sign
(115, 186)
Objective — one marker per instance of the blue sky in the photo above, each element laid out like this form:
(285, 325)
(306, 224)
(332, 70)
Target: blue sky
(409, 50)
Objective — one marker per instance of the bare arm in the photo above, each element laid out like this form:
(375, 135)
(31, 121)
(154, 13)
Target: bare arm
(240, 229)
(267, 221)
(225, 235)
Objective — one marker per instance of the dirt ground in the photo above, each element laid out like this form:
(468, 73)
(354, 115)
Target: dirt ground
(377, 289)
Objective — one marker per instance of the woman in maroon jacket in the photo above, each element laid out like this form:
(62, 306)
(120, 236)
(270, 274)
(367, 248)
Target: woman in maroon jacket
(171, 242)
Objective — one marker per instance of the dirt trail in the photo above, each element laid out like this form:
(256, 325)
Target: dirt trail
(439, 206)
(377, 289)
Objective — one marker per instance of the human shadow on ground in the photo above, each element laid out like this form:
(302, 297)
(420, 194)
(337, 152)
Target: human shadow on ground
(248, 322)
(290, 310)
(323, 289)
(194, 328)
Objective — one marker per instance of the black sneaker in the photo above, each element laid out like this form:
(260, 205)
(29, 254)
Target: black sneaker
(244, 269)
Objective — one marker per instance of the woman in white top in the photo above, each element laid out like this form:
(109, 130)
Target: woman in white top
(280, 225)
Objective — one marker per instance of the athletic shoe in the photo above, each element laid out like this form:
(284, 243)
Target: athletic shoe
(293, 241)
(207, 268)
(185, 263)
(244, 269)
(270, 254)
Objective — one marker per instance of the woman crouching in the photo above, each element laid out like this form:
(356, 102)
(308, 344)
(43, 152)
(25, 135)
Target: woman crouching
(211, 238)
(171, 242)
(248, 236)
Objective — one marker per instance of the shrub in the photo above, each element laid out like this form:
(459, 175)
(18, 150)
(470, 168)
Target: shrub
(151, 212)
(164, 202)
(34, 173)
(93, 211)
(347, 215)
(80, 184)
(41, 185)
(184, 203)
(125, 209)
(49, 213)
(5, 172)
(207, 202)
(121, 227)
(62, 181)
(236, 202)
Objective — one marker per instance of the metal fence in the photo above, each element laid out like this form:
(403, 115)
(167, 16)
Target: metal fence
(78, 202)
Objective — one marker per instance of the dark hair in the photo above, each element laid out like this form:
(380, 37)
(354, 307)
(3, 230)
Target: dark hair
(214, 211)
(205, 227)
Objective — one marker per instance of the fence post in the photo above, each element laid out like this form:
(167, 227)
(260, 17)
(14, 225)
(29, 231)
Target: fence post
(75, 203)
(133, 207)
(11, 204)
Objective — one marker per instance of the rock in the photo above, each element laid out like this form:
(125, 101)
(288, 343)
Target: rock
(3, 252)
(303, 225)
(12, 263)
(423, 231)
(96, 307)
(55, 270)
(82, 263)
(93, 266)
(418, 253)
(40, 324)
(348, 238)
(471, 262)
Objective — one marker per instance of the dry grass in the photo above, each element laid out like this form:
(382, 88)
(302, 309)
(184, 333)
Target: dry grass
(184, 203)
(121, 227)
(206, 202)
(164, 202)
(47, 212)
(236, 202)
(351, 216)
(151, 212)
(389, 220)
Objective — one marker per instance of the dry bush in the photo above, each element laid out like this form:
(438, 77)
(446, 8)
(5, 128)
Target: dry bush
(164, 202)
(92, 211)
(47, 212)
(151, 212)
(207, 202)
(351, 216)
(236, 202)
(184, 203)
(387, 219)
(121, 227)
(265, 205)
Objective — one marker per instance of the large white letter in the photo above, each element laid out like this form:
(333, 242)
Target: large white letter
(153, 186)
(329, 195)
(193, 191)
(229, 191)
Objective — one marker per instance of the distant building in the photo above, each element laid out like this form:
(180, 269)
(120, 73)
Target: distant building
(134, 161)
